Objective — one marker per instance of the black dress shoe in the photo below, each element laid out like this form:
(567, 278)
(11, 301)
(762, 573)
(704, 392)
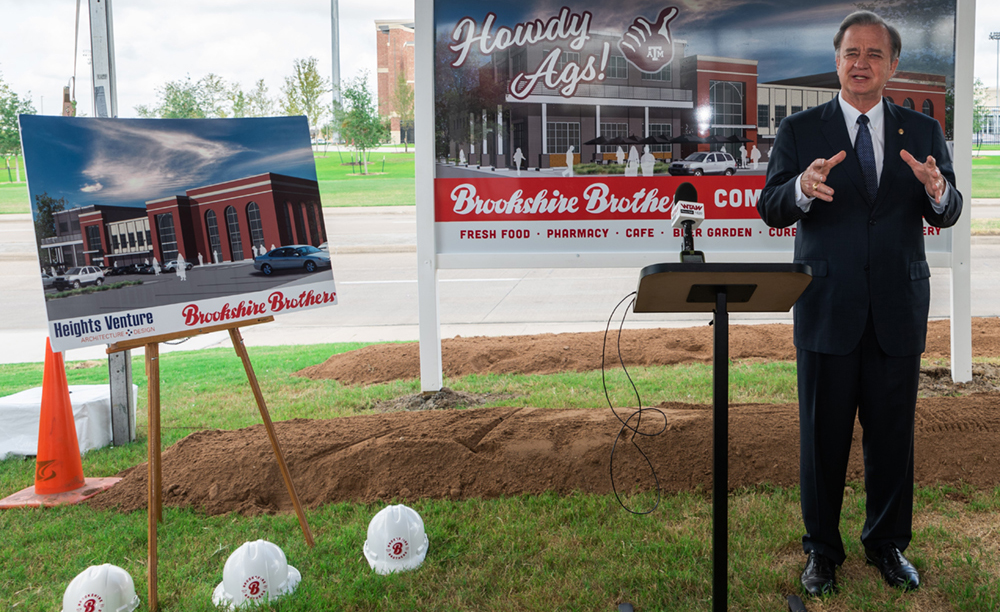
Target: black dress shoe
(895, 568)
(820, 576)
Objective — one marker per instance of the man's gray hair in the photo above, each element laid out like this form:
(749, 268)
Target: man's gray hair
(869, 18)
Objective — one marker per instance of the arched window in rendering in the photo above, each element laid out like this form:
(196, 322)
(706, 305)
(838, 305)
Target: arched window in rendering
(313, 224)
(233, 228)
(928, 108)
(908, 103)
(256, 227)
(214, 244)
(167, 235)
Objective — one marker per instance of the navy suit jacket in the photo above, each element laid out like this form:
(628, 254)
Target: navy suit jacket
(865, 256)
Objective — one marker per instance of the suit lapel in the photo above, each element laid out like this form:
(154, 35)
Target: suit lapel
(835, 131)
(891, 161)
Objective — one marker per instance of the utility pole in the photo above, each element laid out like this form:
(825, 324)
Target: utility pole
(102, 42)
(335, 73)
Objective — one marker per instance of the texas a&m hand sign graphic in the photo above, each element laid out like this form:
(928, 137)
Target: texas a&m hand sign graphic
(648, 46)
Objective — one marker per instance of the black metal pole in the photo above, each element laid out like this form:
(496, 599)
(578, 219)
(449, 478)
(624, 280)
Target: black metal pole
(720, 455)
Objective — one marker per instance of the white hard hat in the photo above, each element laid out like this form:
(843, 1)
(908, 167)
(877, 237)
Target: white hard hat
(101, 588)
(396, 540)
(256, 571)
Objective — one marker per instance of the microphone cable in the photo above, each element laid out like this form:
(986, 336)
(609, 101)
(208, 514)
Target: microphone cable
(636, 415)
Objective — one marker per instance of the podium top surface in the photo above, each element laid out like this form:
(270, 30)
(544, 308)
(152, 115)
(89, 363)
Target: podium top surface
(692, 287)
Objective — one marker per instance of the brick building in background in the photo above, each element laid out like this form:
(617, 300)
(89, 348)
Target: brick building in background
(394, 43)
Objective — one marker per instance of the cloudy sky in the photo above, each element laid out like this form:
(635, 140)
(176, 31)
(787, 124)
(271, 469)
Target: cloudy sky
(130, 162)
(245, 40)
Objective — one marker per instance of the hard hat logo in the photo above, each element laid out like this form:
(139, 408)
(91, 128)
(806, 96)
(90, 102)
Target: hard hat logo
(398, 548)
(254, 587)
(91, 603)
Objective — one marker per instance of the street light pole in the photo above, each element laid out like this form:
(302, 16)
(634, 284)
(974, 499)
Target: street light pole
(996, 36)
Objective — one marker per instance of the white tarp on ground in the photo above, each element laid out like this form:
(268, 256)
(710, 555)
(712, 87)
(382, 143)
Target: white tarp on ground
(19, 414)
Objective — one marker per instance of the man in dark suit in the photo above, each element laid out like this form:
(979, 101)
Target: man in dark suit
(859, 176)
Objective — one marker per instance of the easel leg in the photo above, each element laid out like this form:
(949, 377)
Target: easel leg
(241, 350)
(154, 504)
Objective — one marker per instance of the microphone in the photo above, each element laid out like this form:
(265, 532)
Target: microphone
(688, 213)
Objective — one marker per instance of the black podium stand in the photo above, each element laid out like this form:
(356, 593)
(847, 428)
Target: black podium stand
(736, 287)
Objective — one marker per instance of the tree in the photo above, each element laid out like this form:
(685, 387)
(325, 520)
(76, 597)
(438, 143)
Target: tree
(186, 99)
(402, 105)
(10, 135)
(358, 118)
(303, 92)
(980, 112)
(255, 103)
(45, 211)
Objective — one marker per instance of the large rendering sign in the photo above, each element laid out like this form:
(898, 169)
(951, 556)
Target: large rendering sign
(150, 227)
(567, 129)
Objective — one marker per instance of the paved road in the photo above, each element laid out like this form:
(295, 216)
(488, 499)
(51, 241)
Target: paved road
(374, 262)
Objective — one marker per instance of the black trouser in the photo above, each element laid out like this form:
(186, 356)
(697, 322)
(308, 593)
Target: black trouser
(882, 391)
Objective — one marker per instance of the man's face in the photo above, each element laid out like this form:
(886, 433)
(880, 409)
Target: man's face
(864, 65)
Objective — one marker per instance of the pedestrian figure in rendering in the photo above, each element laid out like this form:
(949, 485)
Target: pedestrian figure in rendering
(620, 156)
(859, 176)
(647, 162)
(518, 158)
(754, 155)
(181, 267)
(569, 162)
(632, 165)
(156, 267)
(743, 156)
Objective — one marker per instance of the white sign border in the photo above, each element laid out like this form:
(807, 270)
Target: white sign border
(429, 261)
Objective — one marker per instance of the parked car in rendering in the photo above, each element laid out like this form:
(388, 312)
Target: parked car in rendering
(292, 257)
(74, 278)
(704, 162)
(140, 268)
(171, 266)
(48, 281)
(116, 271)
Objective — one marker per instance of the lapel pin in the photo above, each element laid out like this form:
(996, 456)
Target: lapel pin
(900, 131)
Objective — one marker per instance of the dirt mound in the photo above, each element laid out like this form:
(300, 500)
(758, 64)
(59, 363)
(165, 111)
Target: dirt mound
(490, 452)
(422, 446)
(549, 353)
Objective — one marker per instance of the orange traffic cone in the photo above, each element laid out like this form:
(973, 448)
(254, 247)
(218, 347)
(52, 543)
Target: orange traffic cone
(58, 469)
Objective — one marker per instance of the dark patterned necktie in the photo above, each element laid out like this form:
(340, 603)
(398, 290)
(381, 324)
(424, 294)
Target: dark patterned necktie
(866, 155)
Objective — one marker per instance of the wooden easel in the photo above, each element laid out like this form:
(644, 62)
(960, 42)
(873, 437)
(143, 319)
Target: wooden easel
(155, 491)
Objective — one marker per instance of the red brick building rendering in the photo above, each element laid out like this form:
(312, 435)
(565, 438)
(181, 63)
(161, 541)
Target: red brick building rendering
(228, 221)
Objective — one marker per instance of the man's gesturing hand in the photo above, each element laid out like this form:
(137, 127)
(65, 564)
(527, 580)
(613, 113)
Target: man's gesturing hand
(928, 174)
(813, 180)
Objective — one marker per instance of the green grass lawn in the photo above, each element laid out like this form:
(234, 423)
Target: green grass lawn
(986, 176)
(389, 182)
(14, 198)
(546, 552)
